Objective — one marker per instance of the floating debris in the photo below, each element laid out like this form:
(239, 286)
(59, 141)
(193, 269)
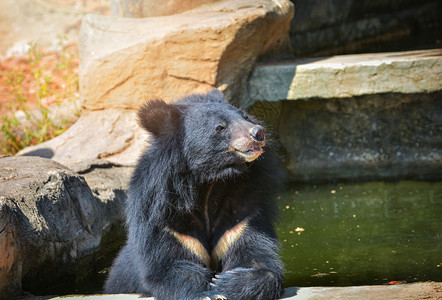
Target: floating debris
(299, 230)
(319, 274)
(394, 282)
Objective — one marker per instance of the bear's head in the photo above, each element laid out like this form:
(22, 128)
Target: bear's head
(214, 138)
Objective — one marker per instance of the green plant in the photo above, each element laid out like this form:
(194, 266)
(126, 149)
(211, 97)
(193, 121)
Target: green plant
(64, 65)
(12, 143)
(32, 124)
(15, 79)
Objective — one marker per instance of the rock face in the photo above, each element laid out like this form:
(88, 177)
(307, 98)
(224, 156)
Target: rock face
(51, 223)
(332, 27)
(124, 61)
(372, 137)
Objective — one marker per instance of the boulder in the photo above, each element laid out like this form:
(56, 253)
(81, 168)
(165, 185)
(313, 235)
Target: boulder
(111, 134)
(124, 61)
(51, 222)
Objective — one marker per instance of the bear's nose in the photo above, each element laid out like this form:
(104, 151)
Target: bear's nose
(257, 133)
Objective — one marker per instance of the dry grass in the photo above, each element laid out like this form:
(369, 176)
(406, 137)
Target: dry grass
(31, 88)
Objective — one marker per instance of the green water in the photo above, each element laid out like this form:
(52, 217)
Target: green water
(354, 234)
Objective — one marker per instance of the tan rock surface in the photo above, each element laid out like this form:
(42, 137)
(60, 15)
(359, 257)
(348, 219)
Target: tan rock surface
(113, 135)
(153, 8)
(125, 61)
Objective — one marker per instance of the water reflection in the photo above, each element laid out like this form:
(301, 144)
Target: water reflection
(353, 234)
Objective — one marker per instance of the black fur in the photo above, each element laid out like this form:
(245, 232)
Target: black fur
(190, 157)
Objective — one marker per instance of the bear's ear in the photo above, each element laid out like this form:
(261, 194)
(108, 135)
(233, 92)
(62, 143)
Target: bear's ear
(158, 117)
(215, 95)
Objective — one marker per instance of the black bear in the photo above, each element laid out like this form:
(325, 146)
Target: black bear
(201, 206)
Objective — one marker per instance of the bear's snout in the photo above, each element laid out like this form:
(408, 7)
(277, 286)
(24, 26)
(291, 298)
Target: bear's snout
(249, 142)
(257, 133)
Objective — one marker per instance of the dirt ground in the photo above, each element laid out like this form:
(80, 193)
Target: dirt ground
(11, 66)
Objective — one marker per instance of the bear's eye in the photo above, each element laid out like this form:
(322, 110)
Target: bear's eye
(221, 127)
(246, 117)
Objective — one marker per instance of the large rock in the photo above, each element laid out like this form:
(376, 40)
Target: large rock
(124, 61)
(111, 134)
(51, 223)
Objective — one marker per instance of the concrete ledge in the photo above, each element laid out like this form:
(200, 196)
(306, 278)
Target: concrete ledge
(346, 76)
(418, 290)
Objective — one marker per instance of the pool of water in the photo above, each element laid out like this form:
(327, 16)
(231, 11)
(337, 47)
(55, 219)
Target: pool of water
(366, 233)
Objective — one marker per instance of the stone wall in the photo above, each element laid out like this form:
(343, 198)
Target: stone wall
(360, 26)
(388, 136)
(354, 117)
